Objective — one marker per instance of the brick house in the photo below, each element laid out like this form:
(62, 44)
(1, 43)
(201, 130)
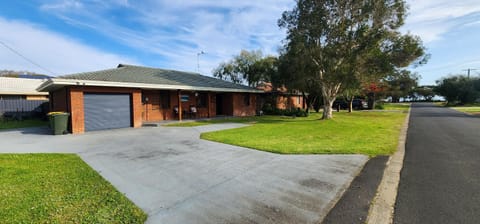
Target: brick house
(128, 96)
(283, 99)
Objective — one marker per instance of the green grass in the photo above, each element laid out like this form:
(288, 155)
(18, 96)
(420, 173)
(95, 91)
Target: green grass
(468, 109)
(218, 121)
(369, 133)
(12, 124)
(59, 188)
(396, 106)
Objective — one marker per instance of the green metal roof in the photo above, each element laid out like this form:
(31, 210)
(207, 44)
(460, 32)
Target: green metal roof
(145, 75)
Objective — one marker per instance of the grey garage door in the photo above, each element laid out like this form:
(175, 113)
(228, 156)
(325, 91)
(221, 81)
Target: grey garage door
(106, 111)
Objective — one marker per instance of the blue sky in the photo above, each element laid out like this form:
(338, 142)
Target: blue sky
(69, 36)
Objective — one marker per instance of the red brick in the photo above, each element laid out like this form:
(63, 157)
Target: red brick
(70, 99)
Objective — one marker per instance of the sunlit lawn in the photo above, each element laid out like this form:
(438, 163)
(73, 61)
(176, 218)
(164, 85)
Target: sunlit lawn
(59, 188)
(396, 106)
(467, 109)
(360, 132)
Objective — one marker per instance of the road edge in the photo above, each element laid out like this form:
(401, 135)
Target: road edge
(382, 206)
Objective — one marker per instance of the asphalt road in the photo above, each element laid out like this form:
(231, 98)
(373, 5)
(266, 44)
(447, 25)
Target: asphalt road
(440, 179)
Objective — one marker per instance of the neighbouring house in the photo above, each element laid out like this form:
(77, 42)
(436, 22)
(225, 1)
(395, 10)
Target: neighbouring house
(19, 98)
(128, 96)
(21, 88)
(281, 97)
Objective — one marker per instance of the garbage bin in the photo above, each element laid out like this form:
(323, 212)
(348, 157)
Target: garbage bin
(58, 122)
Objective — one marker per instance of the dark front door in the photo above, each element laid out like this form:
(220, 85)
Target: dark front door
(106, 111)
(219, 102)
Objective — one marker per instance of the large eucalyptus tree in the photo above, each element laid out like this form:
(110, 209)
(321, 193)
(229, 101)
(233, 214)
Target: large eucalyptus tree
(345, 40)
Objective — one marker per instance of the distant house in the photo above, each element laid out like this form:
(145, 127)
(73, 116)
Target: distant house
(128, 96)
(19, 98)
(283, 99)
(21, 88)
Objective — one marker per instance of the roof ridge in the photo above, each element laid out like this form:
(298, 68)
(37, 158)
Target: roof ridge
(128, 65)
(82, 73)
(155, 68)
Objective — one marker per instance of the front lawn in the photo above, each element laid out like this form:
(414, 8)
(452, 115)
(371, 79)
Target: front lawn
(59, 188)
(360, 132)
(12, 124)
(396, 106)
(218, 121)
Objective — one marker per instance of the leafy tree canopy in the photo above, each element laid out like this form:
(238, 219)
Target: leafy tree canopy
(401, 84)
(248, 67)
(348, 41)
(459, 89)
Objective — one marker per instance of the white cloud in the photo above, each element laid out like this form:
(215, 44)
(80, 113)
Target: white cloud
(431, 19)
(55, 52)
(176, 31)
(63, 5)
(173, 32)
(429, 10)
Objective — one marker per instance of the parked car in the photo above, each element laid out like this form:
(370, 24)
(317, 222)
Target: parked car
(357, 104)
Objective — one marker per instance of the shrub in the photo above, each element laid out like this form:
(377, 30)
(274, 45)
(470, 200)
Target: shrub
(268, 110)
(379, 106)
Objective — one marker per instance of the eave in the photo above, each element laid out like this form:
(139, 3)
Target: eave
(57, 83)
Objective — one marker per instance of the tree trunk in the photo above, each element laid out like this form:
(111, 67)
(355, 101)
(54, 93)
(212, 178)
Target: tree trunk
(395, 99)
(371, 100)
(308, 101)
(350, 105)
(329, 94)
(327, 107)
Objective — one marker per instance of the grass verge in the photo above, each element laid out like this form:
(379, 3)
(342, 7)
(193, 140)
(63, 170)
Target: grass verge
(7, 124)
(475, 110)
(59, 188)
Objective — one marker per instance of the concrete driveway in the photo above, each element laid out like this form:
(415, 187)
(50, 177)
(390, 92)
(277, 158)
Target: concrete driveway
(178, 178)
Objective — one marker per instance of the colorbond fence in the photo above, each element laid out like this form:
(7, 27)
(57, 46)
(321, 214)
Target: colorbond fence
(22, 107)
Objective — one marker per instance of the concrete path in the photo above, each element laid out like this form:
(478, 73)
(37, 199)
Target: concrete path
(440, 180)
(177, 178)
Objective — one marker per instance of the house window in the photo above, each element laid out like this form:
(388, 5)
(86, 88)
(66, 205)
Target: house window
(202, 100)
(165, 99)
(184, 98)
(299, 100)
(246, 99)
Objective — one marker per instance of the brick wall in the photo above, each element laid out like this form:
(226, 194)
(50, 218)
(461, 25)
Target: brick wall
(58, 100)
(75, 97)
(152, 109)
(244, 104)
(212, 104)
(137, 107)
(290, 102)
(70, 99)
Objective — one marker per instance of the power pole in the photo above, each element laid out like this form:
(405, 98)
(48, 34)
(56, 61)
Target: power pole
(468, 71)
